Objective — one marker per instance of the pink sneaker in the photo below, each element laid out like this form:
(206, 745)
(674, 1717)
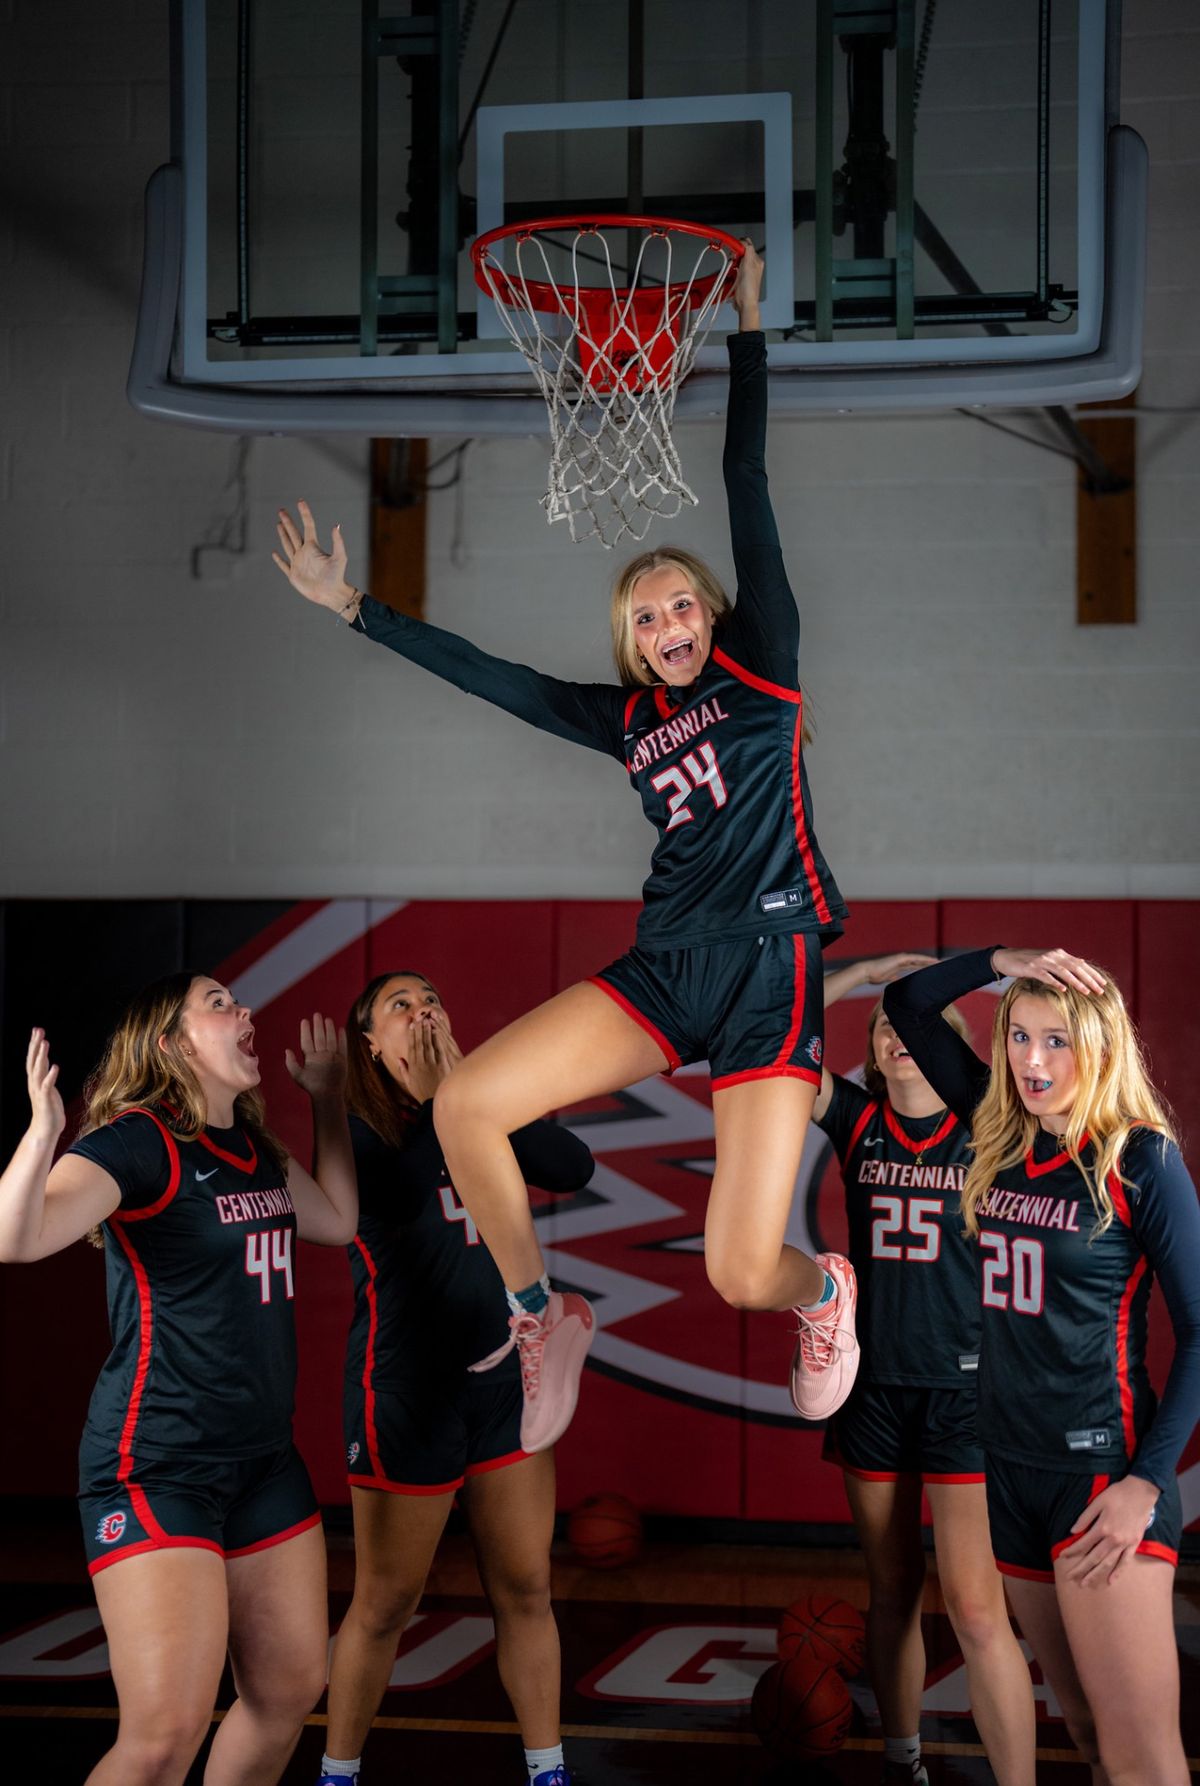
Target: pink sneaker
(551, 1347)
(825, 1362)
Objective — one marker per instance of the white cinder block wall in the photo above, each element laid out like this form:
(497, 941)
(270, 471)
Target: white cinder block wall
(162, 734)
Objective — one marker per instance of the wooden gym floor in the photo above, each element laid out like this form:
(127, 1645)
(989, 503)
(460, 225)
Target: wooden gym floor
(659, 1661)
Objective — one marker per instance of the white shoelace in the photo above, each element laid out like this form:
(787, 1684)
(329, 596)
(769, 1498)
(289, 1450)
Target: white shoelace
(528, 1334)
(820, 1341)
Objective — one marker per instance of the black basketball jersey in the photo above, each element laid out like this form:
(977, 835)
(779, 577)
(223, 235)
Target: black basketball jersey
(918, 1280)
(1063, 1379)
(718, 764)
(201, 1264)
(428, 1299)
(1062, 1370)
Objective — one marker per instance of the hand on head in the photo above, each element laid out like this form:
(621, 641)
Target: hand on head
(1054, 967)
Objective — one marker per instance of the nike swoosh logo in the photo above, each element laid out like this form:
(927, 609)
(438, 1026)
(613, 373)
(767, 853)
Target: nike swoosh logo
(201, 1176)
(877, 1142)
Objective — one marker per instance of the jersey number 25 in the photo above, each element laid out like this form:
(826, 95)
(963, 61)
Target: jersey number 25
(917, 1222)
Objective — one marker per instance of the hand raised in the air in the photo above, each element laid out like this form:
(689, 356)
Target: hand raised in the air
(1108, 1532)
(320, 1068)
(1054, 967)
(432, 1055)
(883, 969)
(48, 1119)
(748, 286)
(319, 576)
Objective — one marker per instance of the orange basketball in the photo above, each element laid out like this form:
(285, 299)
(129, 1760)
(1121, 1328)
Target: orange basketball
(605, 1531)
(801, 1709)
(826, 1628)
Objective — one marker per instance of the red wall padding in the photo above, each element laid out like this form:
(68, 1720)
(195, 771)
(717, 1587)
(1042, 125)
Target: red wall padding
(685, 1411)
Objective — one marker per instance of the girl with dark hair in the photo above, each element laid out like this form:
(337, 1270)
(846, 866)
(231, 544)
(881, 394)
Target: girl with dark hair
(201, 1528)
(1075, 1197)
(908, 1426)
(708, 722)
(420, 1428)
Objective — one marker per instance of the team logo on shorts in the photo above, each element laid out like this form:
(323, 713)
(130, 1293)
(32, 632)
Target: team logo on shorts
(111, 1527)
(814, 1050)
(352, 1454)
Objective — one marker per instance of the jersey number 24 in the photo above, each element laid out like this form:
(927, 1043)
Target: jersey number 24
(699, 769)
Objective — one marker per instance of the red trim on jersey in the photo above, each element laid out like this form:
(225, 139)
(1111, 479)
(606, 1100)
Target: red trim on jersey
(497, 1463)
(406, 1488)
(758, 682)
(859, 1126)
(673, 1059)
(664, 706)
(1123, 1382)
(173, 1171)
(369, 1357)
(1099, 1484)
(954, 1481)
(799, 1001)
(148, 1544)
(631, 703)
(1163, 1551)
(727, 1079)
(1116, 1191)
(230, 1159)
(934, 1140)
(305, 1525)
(141, 1506)
(1033, 1170)
(145, 1339)
(1025, 1574)
(872, 1475)
(820, 903)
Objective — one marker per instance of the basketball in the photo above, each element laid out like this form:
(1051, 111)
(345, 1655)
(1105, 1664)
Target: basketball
(801, 1709)
(827, 1629)
(605, 1531)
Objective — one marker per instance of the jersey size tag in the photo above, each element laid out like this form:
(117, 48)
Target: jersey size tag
(968, 1361)
(784, 900)
(1089, 1438)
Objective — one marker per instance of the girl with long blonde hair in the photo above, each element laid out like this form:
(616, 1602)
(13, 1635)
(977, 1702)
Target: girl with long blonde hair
(201, 1529)
(708, 722)
(1076, 1198)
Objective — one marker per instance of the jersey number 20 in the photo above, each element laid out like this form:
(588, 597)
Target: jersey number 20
(699, 769)
(1024, 1260)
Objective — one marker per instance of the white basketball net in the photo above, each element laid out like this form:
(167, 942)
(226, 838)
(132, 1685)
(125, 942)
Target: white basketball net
(609, 372)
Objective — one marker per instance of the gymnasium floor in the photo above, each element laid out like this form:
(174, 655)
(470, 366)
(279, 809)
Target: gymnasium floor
(659, 1660)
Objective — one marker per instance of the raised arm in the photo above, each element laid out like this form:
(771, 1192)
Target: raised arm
(879, 970)
(764, 628)
(914, 1007)
(44, 1207)
(325, 1200)
(590, 714)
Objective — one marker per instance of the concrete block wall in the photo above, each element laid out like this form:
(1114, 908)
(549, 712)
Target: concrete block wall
(165, 734)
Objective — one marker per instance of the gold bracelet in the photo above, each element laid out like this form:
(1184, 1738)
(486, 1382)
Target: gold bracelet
(356, 597)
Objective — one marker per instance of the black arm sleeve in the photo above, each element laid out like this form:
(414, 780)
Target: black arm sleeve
(914, 1006)
(1166, 1221)
(552, 1158)
(763, 631)
(587, 713)
(132, 1151)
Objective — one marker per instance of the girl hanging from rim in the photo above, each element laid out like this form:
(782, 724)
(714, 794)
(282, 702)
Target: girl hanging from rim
(1076, 1197)
(908, 1426)
(202, 1531)
(708, 722)
(420, 1431)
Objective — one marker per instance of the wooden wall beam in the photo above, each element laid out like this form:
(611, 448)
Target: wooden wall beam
(1106, 525)
(398, 515)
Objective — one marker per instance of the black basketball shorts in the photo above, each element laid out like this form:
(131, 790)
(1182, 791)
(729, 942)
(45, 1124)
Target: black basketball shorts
(1031, 1512)
(753, 1008)
(193, 1502)
(886, 1430)
(428, 1439)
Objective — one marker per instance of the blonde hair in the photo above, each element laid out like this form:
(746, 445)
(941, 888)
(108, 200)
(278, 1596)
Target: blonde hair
(371, 1092)
(135, 1073)
(875, 1082)
(631, 670)
(1113, 1096)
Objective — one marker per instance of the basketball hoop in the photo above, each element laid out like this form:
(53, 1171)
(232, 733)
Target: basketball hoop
(612, 358)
